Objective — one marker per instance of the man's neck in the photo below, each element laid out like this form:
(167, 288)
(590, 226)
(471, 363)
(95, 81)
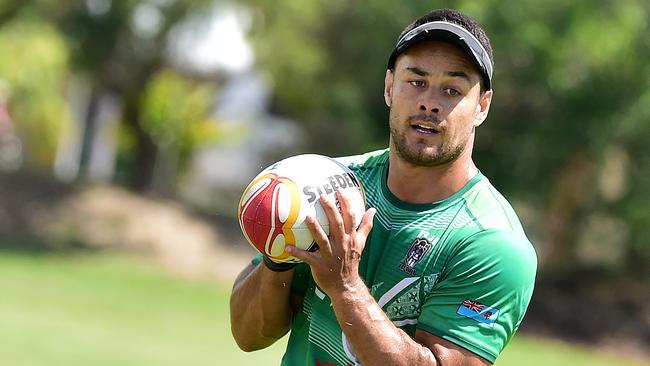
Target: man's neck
(416, 184)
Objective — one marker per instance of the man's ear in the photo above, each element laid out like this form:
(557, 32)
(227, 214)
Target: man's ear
(483, 107)
(388, 87)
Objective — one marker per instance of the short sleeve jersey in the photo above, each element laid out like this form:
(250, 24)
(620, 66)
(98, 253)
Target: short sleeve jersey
(461, 269)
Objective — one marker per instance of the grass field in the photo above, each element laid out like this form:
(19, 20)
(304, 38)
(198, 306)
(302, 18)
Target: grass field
(107, 309)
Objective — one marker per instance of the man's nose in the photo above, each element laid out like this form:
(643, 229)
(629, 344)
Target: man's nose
(429, 103)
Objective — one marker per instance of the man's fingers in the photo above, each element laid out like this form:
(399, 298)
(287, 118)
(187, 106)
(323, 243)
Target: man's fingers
(303, 255)
(346, 212)
(319, 236)
(333, 216)
(366, 225)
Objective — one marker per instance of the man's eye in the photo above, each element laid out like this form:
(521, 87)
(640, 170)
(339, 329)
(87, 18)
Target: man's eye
(417, 83)
(452, 92)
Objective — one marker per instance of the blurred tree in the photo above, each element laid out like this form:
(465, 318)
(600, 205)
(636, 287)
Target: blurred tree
(175, 113)
(565, 138)
(569, 80)
(120, 45)
(323, 56)
(570, 109)
(35, 68)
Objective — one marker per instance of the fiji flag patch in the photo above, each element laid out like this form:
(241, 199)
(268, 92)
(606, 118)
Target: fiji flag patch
(481, 313)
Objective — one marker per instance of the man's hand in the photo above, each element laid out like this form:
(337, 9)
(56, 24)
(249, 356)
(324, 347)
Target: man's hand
(335, 265)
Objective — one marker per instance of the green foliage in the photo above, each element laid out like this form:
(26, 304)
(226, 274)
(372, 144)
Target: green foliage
(569, 79)
(103, 43)
(175, 112)
(35, 67)
(571, 86)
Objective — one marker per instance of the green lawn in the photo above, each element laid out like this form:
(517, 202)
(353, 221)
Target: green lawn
(105, 309)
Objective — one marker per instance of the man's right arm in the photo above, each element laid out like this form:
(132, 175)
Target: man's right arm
(260, 307)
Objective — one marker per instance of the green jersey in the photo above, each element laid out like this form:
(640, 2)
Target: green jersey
(461, 269)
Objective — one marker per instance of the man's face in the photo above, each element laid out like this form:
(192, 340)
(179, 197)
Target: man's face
(435, 103)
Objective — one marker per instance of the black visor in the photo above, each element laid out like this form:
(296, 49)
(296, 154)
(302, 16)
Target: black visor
(452, 33)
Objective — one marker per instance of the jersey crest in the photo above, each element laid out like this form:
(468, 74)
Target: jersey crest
(419, 248)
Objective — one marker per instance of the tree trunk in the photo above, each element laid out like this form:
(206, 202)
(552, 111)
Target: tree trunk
(89, 132)
(141, 176)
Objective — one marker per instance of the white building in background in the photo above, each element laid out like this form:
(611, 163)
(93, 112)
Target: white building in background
(213, 42)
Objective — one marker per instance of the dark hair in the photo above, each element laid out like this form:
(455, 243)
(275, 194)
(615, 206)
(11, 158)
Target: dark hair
(458, 18)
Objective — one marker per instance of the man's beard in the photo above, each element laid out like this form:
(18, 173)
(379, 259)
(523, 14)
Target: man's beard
(417, 156)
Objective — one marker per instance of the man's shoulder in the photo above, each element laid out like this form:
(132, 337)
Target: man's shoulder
(491, 225)
(490, 210)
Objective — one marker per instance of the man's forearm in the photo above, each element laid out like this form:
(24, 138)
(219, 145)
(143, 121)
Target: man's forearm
(260, 310)
(371, 334)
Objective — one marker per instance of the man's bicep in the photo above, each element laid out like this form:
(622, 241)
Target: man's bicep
(244, 274)
(448, 353)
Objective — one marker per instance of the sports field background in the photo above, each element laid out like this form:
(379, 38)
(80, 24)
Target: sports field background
(104, 308)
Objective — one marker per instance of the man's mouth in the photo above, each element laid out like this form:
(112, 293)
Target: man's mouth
(425, 128)
(424, 123)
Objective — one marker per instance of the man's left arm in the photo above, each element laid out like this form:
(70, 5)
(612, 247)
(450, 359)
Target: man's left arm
(377, 341)
(371, 334)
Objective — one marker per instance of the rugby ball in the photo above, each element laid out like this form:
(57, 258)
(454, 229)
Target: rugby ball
(273, 208)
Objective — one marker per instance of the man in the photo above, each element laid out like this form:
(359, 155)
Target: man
(439, 272)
